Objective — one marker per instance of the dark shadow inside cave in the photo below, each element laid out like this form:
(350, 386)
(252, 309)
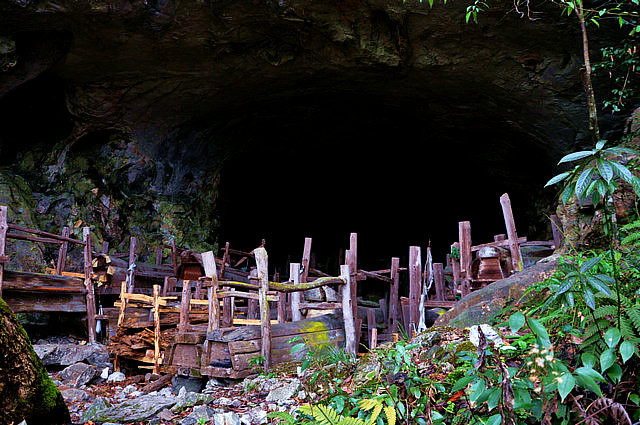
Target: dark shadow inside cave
(391, 170)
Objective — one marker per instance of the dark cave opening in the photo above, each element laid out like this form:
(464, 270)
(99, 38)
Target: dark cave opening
(391, 170)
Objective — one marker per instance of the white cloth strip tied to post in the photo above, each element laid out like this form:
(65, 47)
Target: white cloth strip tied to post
(426, 286)
(130, 271)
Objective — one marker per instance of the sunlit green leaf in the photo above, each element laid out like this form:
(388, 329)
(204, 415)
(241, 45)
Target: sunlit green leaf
(627, 349)
(583, 181)
(516, 321)
(605, 169)
(558, 178)
(588, 265)
(566, 383)
(540, 331)
(607, 358)
(622, 171)
(575, 156)
(589, 299)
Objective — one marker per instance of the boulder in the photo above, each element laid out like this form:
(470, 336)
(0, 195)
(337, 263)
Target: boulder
(77, 375)
(285, 392)
(26, 390)
(478, 306)
(68, 354)
(116, 377)
(255, 416)
(136, 410)
(367, 369)
(75, 394)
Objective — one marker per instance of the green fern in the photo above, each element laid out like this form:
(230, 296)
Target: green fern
(285, 418)
(629, 321)
(633, 233)
(326, 415)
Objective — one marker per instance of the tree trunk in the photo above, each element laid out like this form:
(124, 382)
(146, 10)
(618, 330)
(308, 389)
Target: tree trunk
(26, 391)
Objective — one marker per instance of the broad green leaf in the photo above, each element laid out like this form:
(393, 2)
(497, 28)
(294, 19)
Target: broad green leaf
(297, 347)
(569, 298)
(494, 420)
(626, 350)
(635, 398)
(566, 383)
(605, 278)
(585, 381)
(600, 143)
(622, 171)
(590, 264)
(575, 156)
(567, 193)
(635, 182)
(615, 373)
(476, 390)
(540, 331)
(558, 178)
(583, 181)
(602, 187)
(620, 150)
(516, 321)
(592, 373)
(612, 337)
(462, 383)
(605, 169)
(566, 284)
(598, 285)
(589, 299)
(607, 359)
(494, 398)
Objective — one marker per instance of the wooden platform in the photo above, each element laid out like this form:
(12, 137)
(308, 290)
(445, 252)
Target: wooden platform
(27, 292)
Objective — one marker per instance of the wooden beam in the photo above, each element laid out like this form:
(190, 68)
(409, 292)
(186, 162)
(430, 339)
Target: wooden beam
(347, 311)
(88, 283)
(22, 237)
(496, 244)
(133, 243)
(394, 297)
(45, 234)
(156, 329)
(62, 252)
(512, 234)
(415, 274)
(556, 229)
(3, 241)
(374, 339)
(296, 297)
(464, 234)
(262, 262)
(209, 264)
(372, 275)
(438, 281)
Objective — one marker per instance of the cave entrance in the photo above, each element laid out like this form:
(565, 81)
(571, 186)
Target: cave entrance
(388, 169)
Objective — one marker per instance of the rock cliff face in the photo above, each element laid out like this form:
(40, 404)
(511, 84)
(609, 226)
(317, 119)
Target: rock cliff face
(121, 111)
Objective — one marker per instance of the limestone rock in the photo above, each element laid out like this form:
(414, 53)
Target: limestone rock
(136, 410)
(77, 375)
(116, 377)
(285, 392)
(68, 354)
(75, 394)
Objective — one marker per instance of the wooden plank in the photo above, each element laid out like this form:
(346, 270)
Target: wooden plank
(156, 329)
(512, 234)
(374, 339)
(282, 342)
(36, 282)
(371, 275)
(199, 295)
(464, 241)
(88, 283)
(438, 281)
(252, 310)
(209, 264)
(227, 315)
(45, 302)
(347, 311)
(22, 237)
(436, 303)
(556, 230)
(47, 235)
(3, 241)
(237, 321)
(185, 307)
(496, 244)
(263, 274)
(62, 252)
(394, 296)
(306, 258)
(296, 297)
(133, 243)
(415, 274)
(321, 305)
(371, 324)
(225, 260)
(247, 295)
(282, 308)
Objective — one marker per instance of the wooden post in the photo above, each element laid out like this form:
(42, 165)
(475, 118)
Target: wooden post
(306, 260)
(347, 311)
(438, 281)
(251, 309)
(4, 226)
(165, 286)
(159, 255)
(227, 319)
(394, 297)
(133, 243)
(262, 261)
(296, 297)
(185, 306)
(199, 291)
(156, 329)
(91, 300)
(464, 234)
(353, 267)
(385, 313)
(415, 274)
(225, 259)
(556, 230)
(455, 270)
(62, 252)
(282, 307)
(174, 258)
(516, 257)
(209, 264)
(500, 237)
(105, 247)
(371, 324)
(123, 302)
(374, 339)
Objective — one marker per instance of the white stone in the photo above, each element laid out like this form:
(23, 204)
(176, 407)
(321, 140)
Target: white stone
(105, 373)
(489, 333)
(116, 377)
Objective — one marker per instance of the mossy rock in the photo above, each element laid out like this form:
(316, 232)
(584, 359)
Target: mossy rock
(26, 390)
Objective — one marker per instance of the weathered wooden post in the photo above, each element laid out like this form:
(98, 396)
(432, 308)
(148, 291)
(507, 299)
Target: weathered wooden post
(262, 262)
(209, 264)
(62, 252)
(353, 267)
(556, 227)
(306, 260)
(347, 310)
(464, 234)
(156, 329)
(455, 270)
(394, 297)
(123, 302)
(4, 226)
(296, 297)
(174, 258)
(415, 274)
(438, 281)
(131, 272)
(225, 259)
(371, 324)
(88, 270)
(185, 306)
(516, 257)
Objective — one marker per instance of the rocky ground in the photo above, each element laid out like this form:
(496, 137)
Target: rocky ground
(97, 394)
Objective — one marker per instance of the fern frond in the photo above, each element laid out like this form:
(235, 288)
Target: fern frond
(390, 413)
(285, 417)
(375, 414)
(605, 310)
